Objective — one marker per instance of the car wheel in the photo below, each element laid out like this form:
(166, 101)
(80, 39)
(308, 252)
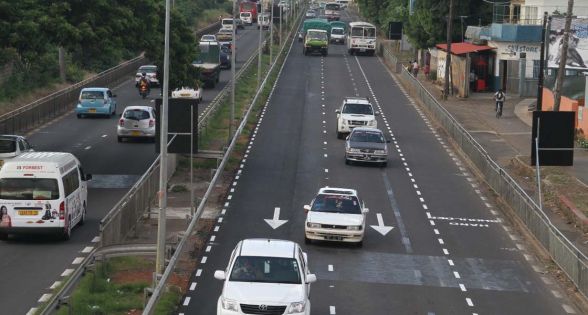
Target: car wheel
(347, 162)
(67, 230)
(307, 240)
(120, 139)
(83, 219)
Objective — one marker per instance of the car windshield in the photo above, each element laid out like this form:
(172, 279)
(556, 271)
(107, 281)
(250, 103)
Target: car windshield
(337, 31)
(7, 146)
(227, 22)
(363, 109)
(136, 114)
(367, 136)
(245, 14)
(317, 35)
(92, 95)
(266, 269)
(29, 189)
(151, 69)
(336, 203)
(208, 37)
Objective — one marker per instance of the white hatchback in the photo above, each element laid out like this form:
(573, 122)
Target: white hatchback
(136, 122)
(265, 276)
(335, 214)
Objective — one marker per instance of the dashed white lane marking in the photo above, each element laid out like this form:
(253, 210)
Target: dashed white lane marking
(469, 301)
(55, 285)
(45, 297)
(462, 287)
(77, 261)
(96, 239)
(220, 220)
(208, 248)
(192, 286)
(88, 147)
(436, 231)
(203, 261)
(186, 301)
(104, 136)
(198, 272)
(330, 268)
(67, 272)
(546, 280)
(326, 170)
(332, 310)
(441, 241)
(456, 275)
(445, 251)
(216, 228)
(212, 238)
(87, 249)
(32, 311)
(223, 212)
(568, 309)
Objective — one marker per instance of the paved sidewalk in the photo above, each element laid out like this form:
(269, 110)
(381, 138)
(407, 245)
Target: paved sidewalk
(506, 137)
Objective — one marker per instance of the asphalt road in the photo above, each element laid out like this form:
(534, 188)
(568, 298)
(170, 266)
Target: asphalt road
(30, 265)
(450, 251)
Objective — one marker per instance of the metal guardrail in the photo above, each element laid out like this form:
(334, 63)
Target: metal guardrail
(563, 252)
(159, 289)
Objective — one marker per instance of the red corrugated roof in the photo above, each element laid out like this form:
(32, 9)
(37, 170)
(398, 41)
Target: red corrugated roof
(464, 48)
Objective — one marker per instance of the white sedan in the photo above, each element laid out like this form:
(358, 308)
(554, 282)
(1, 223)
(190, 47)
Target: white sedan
(186, 92)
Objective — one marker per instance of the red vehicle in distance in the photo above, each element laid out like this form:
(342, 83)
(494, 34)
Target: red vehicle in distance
(249, 6)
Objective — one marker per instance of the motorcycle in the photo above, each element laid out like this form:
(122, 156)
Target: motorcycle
(143, 90)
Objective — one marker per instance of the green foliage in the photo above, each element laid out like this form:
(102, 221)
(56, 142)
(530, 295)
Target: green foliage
(426, 26)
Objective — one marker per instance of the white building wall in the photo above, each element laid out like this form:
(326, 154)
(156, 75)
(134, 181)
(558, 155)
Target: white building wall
(533, 9)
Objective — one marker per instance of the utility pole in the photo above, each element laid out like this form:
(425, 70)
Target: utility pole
(564, 57)
(461, 17)
(161, 233)
(260, 50)
(541, 64)
(281, 7)
(233, 55)
(448, 58)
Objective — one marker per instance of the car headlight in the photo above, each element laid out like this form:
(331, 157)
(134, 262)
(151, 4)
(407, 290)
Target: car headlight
(313, 225)
(380, 151)
(297, 307)
(79, 105)
(352, 150)
(372, 122)
(354, 227)
(229, 305)
(344, 121)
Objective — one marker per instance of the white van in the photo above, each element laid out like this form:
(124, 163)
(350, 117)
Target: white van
(42, 192)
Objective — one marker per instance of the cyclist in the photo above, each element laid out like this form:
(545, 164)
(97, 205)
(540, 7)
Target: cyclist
(499, 97)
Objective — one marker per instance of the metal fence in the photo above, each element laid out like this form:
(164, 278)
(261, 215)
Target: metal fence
(563, 252)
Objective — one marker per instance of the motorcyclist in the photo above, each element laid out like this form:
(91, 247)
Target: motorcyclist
(143, 81)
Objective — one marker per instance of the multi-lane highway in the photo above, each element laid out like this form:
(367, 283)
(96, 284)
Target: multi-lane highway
(450, 252)
(30, 266)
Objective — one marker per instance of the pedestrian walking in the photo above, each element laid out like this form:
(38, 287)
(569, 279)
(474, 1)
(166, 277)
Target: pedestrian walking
(415, 68)
(409, 68)
(499, 97)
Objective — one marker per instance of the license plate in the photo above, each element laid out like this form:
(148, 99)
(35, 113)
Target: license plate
(333, 238)
(185, 94)
(362, 50)
(92, 110)
(28, 212)
(135, 133)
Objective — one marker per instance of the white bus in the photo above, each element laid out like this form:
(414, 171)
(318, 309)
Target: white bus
(333, 11)
(42, 192)
(361, 38)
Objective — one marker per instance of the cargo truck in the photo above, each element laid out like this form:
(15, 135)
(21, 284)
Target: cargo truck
(316, 41)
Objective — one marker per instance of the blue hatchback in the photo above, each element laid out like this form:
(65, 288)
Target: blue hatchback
(96, 101)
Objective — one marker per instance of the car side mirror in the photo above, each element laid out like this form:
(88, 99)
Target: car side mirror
(220, 275)
(338, 111)
(306, 208)
(366, 210)
(87, 177)
(310, 278)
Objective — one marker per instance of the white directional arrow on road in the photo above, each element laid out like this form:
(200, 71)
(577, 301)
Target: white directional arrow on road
(275, 222)
(381, 227)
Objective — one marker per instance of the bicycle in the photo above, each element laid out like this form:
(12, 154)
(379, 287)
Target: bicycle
(499, 109)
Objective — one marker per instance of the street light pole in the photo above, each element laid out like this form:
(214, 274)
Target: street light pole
(281, 26)
(448, 58)
(233, 55)
(260, 51)
(161, 233)
(271, 34)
